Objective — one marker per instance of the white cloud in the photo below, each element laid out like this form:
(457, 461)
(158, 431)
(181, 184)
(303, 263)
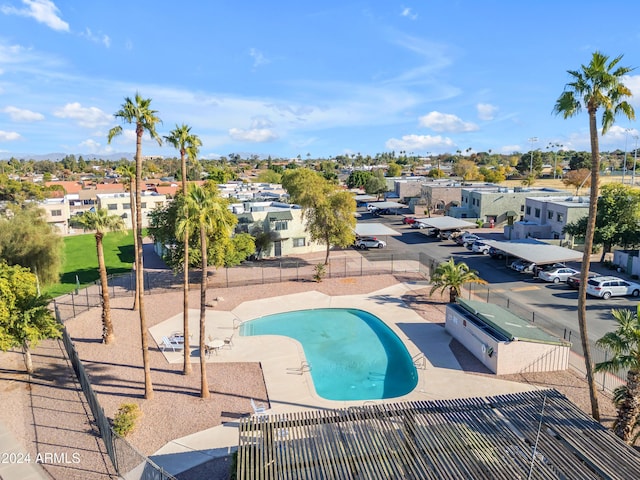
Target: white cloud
(89, 117)
(8, 136)
(445, 122)
(22, 115)
(42, 11)
(258, 58)
(419, 143)
(91, 145)
(104, 39)
(255, 135)
(486, 111)
(406, 12)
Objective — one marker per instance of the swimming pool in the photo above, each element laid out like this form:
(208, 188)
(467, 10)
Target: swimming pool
(352, 353)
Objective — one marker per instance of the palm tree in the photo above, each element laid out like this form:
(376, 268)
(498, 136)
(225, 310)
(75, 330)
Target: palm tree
(624, 344)
(596, 86)
(203, 213)
(139, 112)
(129, 173)
(453, 276)
(102, 222)
(187, 143)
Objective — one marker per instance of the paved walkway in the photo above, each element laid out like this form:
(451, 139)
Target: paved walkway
(440, 376)
(15, 462)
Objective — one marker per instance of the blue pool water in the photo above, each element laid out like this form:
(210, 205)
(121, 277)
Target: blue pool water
(352, 353)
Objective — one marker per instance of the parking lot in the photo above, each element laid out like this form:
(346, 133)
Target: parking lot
(555, 302)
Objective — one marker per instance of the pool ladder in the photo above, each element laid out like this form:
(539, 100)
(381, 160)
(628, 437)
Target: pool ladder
(419, 361)
(304, 367)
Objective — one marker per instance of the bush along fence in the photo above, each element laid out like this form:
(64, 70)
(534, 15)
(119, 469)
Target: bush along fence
(127, 461)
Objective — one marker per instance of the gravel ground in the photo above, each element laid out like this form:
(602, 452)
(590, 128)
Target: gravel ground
(33, 411)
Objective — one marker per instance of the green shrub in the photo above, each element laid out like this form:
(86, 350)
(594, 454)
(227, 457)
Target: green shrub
(320, 272)
(125, 419)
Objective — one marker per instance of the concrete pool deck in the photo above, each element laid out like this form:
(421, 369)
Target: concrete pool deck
(440, 376)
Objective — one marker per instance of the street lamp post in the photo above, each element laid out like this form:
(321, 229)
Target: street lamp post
(532, 140)
(635, 159)
(624, 165)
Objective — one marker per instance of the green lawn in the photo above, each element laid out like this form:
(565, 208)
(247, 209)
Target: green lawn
(81, 259)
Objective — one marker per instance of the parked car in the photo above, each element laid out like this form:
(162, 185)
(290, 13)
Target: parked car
(522, 266)
(557, 275)
(574, 280)
(369, 242)
(419, 224)
(467, 239)
(409, 220)
(540, 268)
(496, 253)
(480, 247)
(607, 287)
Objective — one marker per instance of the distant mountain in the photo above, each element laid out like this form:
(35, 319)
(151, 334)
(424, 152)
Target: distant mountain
(59, 156)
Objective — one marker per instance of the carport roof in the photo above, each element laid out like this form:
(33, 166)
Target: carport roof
(446, 223)
(535, 251)
(366, 229)
(387, 204)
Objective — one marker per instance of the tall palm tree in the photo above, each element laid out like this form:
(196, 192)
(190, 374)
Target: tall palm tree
(102, 222)
(129, 173)
(138, 111)
(624, 344)
(204, 213)
(188, 145)
(451, 275)
(596, 86)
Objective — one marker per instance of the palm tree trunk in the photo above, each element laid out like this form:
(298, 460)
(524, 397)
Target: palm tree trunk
(453, 294)
(586, 262)
(132, 205)
(148, 386)
(107, 326)
(326, 257)
(186, 367)
(204, 385)
(28, 362)
(629, 411)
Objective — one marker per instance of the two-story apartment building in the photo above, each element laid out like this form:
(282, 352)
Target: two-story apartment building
(57, 213)
(284, 222)
(438, 196)
(497, 205)
(546, 217)
(120, 204)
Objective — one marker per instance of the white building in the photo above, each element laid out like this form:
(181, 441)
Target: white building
(546, 217)
(120, 204)
(57, 213)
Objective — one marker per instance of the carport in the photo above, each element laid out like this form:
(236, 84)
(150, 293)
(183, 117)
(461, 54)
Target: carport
(446, 223)
(389, 205)
(373, 229)
(535, 251)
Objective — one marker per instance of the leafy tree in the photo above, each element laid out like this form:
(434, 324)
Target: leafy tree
(394, 169)
(269, 176)
(102, 222)
(436, 173)
(578, 178)
(138, 111)
(262, 240)
(330, 213)
(580, 160)
(624, 345)
(376, 184)
(596, 86)
(187, 144)
(617, 218)
(27, 239)
(493, 175)
(359, 178)
(25, 318)
(451, 275)
(524, 164)
(206, 214)
(467, 169)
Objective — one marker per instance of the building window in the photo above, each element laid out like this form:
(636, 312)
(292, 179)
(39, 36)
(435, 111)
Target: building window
(298, 242)
(281, 225)
(56, 213)
(528, 210)
(560, 217)
(522, 208)
(112, 206)
(550, 215)
(126, 206)
(144, 204)
(537, 213)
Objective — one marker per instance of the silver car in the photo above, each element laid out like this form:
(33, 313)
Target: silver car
(607, 287)
(370, 242)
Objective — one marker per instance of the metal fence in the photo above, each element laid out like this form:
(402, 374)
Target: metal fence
(128, 462)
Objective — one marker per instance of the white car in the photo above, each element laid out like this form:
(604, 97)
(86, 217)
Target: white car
(607, 287)
(522, 266)
(480, 247)
(370, 242)
(557, 275)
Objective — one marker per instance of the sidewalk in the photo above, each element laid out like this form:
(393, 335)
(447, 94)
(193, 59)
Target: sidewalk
(16, 464)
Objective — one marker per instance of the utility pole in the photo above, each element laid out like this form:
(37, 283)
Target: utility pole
(532, 140)
(635, 159)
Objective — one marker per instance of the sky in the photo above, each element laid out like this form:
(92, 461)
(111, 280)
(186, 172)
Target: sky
(311, 79)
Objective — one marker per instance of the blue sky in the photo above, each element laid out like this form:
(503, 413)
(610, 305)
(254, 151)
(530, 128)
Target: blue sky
(323, 78)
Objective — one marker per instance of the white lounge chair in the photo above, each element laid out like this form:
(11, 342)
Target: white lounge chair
(174, 346)
(228, 342)
(259, 408)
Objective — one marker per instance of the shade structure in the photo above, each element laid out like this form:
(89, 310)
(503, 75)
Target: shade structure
(535, 251)
(447, 223)
(374, 228)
